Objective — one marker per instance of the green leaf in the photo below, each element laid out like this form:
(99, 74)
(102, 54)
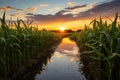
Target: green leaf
(14, 37)
(3, 39)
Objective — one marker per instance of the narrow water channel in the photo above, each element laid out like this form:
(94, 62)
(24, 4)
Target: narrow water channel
(64, 64)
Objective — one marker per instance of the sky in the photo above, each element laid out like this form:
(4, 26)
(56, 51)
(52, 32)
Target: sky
(52, 14)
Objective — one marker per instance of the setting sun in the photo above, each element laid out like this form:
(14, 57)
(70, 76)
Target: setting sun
(62, 29)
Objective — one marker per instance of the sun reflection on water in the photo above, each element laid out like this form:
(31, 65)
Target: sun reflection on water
(69, 48)
(64, 63)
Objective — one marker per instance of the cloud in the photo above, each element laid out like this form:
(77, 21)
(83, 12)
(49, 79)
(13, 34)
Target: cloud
(32, 9)
(92, 5)
(71, 4)
(15, 15)
(44, 5)
(59, 16)
(29, 14)
(20, 10)
(11, 8)
(76, 7)
(57, 8)
(7, 8)
(104, 9)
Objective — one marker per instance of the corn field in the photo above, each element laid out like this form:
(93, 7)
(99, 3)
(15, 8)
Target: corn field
(100, 49)
(19, 44)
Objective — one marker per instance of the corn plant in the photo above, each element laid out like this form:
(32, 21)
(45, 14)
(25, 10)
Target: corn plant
(101, 44)
(21, 43)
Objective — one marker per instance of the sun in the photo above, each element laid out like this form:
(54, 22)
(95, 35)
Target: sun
(62, 29)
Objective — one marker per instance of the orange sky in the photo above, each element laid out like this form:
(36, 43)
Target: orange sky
(74, 25)
(71, 14)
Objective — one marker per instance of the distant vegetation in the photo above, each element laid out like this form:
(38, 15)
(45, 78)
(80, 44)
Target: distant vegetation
(19, 44)
(100, 49)
(65, 31)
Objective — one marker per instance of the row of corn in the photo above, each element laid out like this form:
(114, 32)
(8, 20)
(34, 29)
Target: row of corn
(100, 49)
(19, 42)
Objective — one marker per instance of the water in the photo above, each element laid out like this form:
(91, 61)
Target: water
(64, 64)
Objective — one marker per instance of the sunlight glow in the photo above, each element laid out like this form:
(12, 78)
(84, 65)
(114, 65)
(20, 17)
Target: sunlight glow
(62, 29)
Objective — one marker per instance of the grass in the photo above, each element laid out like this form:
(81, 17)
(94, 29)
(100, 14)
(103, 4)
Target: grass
(101, 46)
(19, 44)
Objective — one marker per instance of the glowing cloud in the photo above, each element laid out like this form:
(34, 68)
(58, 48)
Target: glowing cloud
(6, 8)
(71, 4)
(44, 5)
(105, 9)
(32, 9)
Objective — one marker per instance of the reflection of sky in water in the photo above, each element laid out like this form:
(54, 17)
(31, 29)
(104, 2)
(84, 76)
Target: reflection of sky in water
(63, 65)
